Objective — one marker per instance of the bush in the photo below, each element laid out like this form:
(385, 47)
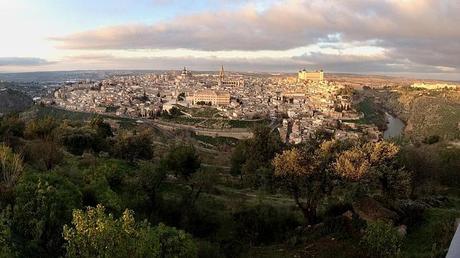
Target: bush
(133, 147)
(43, 154)
(11, 168)
(336, 225)
(94, 233)
(410, 212)
(41, 128)
(12, 126)
(44, 203)
(264, 224)
(336, 209)
(208, 250)
(450, 167)
(432, 139)
(381, 240)
(78, 141)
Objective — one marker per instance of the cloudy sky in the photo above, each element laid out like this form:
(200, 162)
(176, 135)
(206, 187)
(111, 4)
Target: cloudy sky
(417, 38)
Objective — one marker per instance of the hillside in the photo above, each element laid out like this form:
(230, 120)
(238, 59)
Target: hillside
(13, 101)
(426, 113)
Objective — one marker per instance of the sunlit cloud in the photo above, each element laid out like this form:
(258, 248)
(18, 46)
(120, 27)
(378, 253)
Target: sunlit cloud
(416, 36)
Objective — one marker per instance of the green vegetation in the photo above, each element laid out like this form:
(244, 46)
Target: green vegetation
(426, 113)
(96, 234)
(39, 111)
(382, 240)
(200, 112)
(84, 188)
(373, 114)
(213, 122)
(216, 141)
(13, 101)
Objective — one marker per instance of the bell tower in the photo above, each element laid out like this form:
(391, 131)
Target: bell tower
(222, 74)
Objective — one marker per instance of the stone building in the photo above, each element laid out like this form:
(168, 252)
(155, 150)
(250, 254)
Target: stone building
(305, 75)
(212, 97)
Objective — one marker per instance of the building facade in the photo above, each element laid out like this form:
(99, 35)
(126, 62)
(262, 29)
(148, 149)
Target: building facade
(212, 97)
(225, 82)
(305, 75)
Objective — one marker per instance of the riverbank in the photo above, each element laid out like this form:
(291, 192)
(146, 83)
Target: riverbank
(395, 126)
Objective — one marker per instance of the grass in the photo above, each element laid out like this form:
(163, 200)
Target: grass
(246, 123)
(62, 114)
(215, 123)
(183, 120)
(201, 112)
(432, 238)
(216, 140)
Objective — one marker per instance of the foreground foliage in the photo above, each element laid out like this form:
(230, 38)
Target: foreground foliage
(96, 234)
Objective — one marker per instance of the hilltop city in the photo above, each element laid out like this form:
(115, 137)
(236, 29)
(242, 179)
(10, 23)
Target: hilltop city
(297, 107)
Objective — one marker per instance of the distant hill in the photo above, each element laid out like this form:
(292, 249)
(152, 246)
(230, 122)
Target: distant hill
(13, 101)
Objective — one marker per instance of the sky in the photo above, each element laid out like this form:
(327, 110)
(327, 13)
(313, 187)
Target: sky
(414, 38)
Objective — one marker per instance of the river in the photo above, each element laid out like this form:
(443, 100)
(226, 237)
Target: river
(395, 127)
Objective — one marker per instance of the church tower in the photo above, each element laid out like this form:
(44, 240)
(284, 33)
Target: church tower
(222, 74)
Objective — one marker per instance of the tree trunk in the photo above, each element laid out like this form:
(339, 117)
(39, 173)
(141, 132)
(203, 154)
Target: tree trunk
(308, 210)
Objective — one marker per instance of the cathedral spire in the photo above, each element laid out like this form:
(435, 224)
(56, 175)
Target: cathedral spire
(222, 74)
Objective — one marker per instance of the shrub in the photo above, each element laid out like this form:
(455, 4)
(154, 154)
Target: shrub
(44, 203)
(208, 250)
(43, 154)
(410, 212)
(381, 240)
(77, 141)
(432, 139)
(339, 225)
(337, 208)
(264, 224)
(94, 233)
(11, 167)
(133, 147)
(41, 128)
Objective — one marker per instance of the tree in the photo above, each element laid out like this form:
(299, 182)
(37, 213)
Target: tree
(95, 234)
(11, 168)
(238, 158)
(255, 153)
(44, 154)
(145, 186)
(103, 129)
(393, 182)
(40, 128)
(132, 147)
(44, 203)
(11, 126)
(307, 175)
(202, 181)
(375, 163)
(183, 161)
(79, 140)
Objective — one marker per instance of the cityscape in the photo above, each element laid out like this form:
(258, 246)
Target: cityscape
(228, 129)
(297, 106)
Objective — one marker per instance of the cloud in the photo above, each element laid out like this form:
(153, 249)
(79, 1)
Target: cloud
(281, 26)
(343, 63)
(421, 33)
(315, 60)
(22, 61)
